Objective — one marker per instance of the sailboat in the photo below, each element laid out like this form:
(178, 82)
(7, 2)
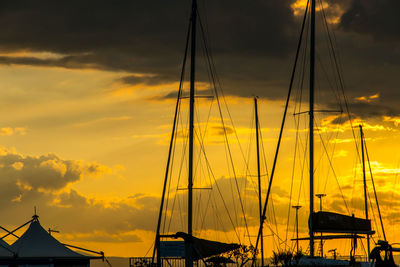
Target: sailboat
(192, 249)
(323, 225)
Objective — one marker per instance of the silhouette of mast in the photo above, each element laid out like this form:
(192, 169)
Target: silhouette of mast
(311, 122)
(259, 181)
(189, 256)
(157, 241)
(365, 184)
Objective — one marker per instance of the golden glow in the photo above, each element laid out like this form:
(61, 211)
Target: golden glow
(298, 7)
(395, 120)
(32, 54)
(336, 11)
(367, 98)
(113, 137)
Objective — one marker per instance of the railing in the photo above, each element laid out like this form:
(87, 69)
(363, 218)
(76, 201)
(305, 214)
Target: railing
(166, 262)
(358, 258)
(180, 262)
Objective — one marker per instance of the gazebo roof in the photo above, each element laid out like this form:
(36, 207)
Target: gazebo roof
(36, 242)
(5, 249)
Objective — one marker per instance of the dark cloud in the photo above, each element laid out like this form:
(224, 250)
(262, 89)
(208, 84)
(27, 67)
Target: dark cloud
(48, 172)
(253, 43)
(376, 18)
(133, 35)
(382, 106)
(368, 110)
(147, 80)
(220, 130)
(174, 94)
(70, 62)
(170, 95)
(147, 37)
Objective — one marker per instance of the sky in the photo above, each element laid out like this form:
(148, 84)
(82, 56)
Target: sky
(87, 95)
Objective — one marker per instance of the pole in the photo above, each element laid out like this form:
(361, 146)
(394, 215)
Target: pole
(365, 184)
(189, 249)
(282, 124)
(297, 227)
(311, 122)
(320, 196)
(259, 180)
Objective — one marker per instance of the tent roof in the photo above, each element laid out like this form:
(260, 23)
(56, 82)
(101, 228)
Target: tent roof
(36, 242)
(5, 249)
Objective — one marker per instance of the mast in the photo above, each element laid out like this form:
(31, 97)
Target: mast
(297, 207)
(365, 184)
(311, 122)
(259, 180)
(189, 249)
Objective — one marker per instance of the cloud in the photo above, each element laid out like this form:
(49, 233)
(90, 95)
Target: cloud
(367, 98)
(109, 217)
(149, 45)
(7, 131)
(221, 130)
(69, 62)
(123, 36)
(252, 44)
(97, 236)
(376, 18)
(99, 221)
(48, 172)
(45, 182)
(118, 220)
(395, 120)
(373, 110)
(102, 121)
(147, 79)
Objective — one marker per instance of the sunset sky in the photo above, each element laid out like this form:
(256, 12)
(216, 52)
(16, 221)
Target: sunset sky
(87, 95)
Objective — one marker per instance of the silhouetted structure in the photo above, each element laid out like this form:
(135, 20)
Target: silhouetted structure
(36, 247)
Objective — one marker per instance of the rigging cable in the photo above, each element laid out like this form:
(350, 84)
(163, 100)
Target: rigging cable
(334, 147)
(211, 74)
(394, 186)
(333, 171)
(217, 81)
(223, 201)
(376, 197)
(282, 125)
(209, 58)
(201, 137)
(373, 214)
(300, 98)
(332, 40)
(177, 187)
(172, 138)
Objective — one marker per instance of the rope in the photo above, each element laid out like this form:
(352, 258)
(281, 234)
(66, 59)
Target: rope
(333, 170)
(282, 125)
(212, 71)
(376, 197)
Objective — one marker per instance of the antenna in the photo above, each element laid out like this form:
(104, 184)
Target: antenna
(35, 216)
(53, 231)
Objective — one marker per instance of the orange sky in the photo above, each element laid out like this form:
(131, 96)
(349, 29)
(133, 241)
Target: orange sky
(89, 151)
(125, 137)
